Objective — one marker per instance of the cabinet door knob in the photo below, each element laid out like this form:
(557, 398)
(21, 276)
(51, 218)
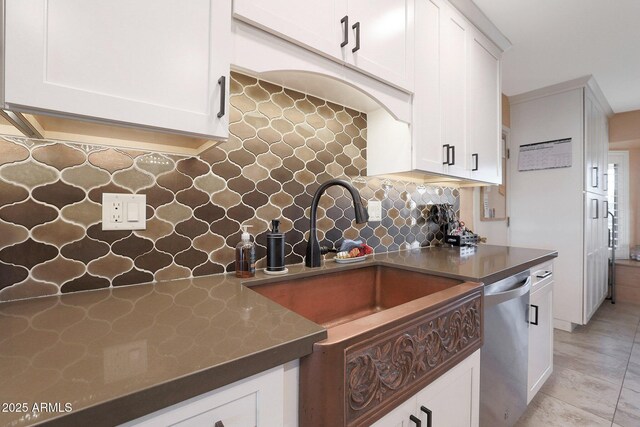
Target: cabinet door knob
(356, 27)
(535, 322)
(416, 420)
(429, 414)
(475, 156)
(345, 30)
(222, 81)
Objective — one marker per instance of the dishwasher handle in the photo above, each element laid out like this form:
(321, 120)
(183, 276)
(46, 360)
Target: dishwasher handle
(491, 299)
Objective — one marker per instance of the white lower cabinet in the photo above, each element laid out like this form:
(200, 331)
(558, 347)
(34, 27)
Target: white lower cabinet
(452, 400)
(540, 328)
(254, 401)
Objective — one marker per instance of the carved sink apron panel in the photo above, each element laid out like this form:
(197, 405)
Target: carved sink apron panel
(390, 367)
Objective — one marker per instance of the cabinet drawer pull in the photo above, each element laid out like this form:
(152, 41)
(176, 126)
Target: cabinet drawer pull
(595, 208)
(453, 155)
(594, 176)
(222, 81)
(543, 275)
(416, 420)
(605, 182)
(219, 424)
(345, 30)
(475, 156)
(535, 322)
(446, 150)
(356, 27)
(429, 414)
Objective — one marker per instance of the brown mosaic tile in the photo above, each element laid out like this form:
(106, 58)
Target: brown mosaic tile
(10, 193)
(156, 228)
(172, 272)
(175, 181)
(155, 163)
(255, 199)
(173, 212)
(256, 120)
(58, 270)
(204, 269)
(153, 261)
(270, 109)
(242, 102)
(269, 186)
(209, 183)
(269, 135)
(28, 289)
(293, 115)
(242, 157)
(11, 152)
(11, 234)
(191, 258)
(225, 227)
(85, 176)
(58, 194)
(132, 246)
(241, 213)
(335, 126)
(193, 167)
(158, 196)
(60, 156)
(28, 213)
(226, 170)
(95, 195)
(84, 213)
(228, 198)
(253, 173)
(293, 140)
(173, 243)
(110, 160)
(269, 160)
(29, 174)
(86, 282)
(256, 93)
(208, 242)
(110, 266)
(28, 253)
(133, 179)
(209, 213)
(281, 150)
(192, 197)
(224, 255)
(305, 130)
(243, 79)
(132, 277)
(282, 100)
(110, 236)
(85, 250)
(192, 228)
(58, 232)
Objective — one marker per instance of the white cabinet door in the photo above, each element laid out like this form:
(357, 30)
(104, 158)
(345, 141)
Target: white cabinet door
(594, 247)
(255, 401)
(484, 114)
(400, 416)
(453, 399)
(427, 116)
(381, 39)
(154, 63)
(454, 40)
(313, 24)
(540, 338)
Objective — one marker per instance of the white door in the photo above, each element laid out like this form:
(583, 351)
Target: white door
(381, 40)
(454, 37)
(315, 25)
(540, 338)
(156, 63)
(427, 121)
(484, 119)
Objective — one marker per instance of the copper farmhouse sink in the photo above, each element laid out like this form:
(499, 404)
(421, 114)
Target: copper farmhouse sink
(390, 332)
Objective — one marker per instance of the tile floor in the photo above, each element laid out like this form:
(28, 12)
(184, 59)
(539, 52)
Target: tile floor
(596, 376)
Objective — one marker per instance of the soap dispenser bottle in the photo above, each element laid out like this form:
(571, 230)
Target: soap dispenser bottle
(245, 255)
(275, 250)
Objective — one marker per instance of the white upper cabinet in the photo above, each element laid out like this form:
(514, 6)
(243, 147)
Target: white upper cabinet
(456, 103)
(150, 63)
(484, 118)
(374, 37)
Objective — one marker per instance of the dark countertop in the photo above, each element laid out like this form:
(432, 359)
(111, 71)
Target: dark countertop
(117, 354)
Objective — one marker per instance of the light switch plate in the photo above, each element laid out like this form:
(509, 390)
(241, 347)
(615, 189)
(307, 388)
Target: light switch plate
(122, 211)
(374, 207)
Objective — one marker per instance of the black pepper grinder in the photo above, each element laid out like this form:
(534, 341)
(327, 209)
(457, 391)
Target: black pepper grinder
(275, 250)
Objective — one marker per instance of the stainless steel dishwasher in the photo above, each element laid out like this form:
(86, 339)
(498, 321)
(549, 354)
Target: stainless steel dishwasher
(504, 355)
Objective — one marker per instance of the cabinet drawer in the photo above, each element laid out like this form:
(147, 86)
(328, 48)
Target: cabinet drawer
(541, 275)
(241, 412)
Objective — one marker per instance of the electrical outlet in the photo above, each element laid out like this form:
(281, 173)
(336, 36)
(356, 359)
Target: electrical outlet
(122, 211)
(116, 211)
(374, 207)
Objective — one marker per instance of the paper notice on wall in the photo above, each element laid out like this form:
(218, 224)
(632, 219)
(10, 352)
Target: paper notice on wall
(545, 155)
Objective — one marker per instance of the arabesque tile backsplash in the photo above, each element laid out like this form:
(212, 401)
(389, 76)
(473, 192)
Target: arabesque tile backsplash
(282, 144)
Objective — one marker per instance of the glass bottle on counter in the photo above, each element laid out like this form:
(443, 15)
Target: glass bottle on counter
(245, 255)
